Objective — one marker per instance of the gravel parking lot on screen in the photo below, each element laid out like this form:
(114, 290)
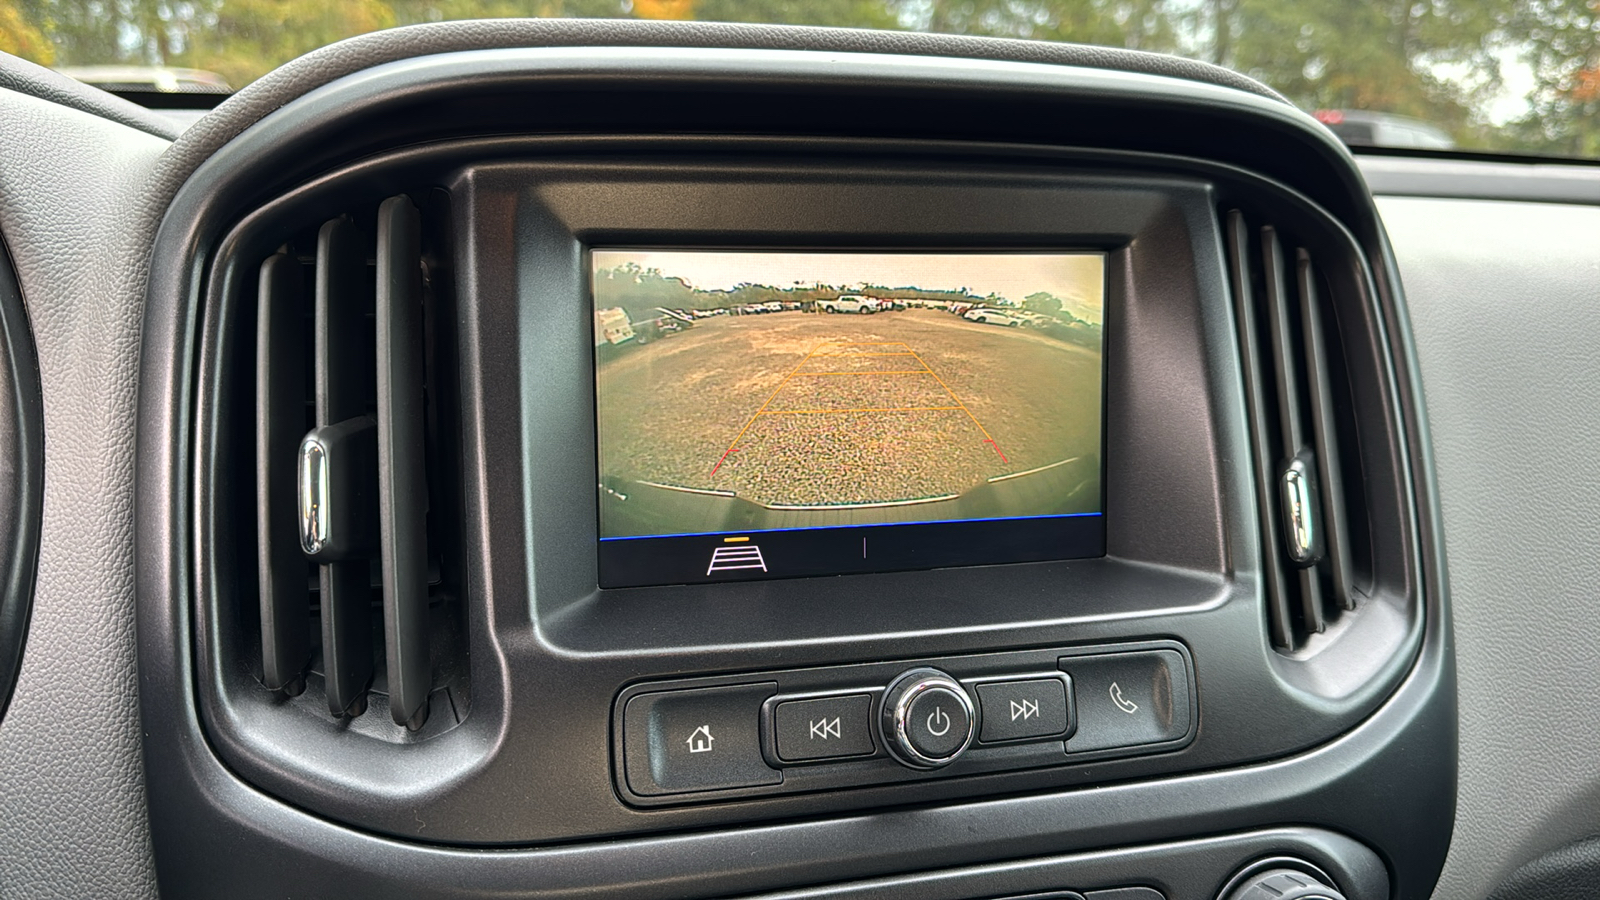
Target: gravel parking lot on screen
(805, 409)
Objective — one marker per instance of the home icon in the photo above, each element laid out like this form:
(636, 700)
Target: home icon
(700, 740)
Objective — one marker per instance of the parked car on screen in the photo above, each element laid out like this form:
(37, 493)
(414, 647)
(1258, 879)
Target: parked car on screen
(611, 326)
(848, 303)
(988, 316)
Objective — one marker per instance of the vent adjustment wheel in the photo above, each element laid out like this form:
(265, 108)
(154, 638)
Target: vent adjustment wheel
(1282, 884)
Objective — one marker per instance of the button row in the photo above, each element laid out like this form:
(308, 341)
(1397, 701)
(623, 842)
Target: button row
(708, 739)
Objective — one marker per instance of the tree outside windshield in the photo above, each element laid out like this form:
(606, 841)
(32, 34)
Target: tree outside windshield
(1514, 77)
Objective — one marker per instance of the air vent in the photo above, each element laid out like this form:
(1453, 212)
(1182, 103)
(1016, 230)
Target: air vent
(356, 593)
(1303, 495)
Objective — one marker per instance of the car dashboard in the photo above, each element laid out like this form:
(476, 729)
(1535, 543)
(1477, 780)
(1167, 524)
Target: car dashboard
(540, 458)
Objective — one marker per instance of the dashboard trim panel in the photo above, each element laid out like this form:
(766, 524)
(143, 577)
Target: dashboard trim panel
(202, 806)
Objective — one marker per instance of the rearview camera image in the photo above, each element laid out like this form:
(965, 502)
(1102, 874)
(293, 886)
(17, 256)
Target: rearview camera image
(790, 413)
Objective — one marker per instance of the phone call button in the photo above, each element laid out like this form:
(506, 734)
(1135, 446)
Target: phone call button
(1128, 699)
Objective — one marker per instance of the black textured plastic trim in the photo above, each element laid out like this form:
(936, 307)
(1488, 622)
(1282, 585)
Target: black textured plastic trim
(1188, 870)
(21, 476)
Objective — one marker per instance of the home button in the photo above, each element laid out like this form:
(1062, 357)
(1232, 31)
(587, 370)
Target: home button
(697, 740)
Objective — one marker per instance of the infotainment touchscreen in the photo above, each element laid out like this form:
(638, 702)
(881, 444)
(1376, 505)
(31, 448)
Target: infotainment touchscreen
(770, 414)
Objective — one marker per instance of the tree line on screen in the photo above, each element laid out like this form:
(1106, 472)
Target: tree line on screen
(641, 292)
(634, 287)
(1437, 60)
(638, 290)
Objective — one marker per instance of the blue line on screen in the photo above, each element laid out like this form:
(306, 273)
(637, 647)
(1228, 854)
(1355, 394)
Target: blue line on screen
(640, 537)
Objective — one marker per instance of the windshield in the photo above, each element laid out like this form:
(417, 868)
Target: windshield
(1473, 75)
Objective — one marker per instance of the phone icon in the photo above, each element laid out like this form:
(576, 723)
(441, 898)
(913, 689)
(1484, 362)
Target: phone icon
(1123, 703)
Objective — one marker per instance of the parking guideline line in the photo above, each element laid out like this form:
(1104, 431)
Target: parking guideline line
(868, 372)
(764, 406)
(987, 437)
(797, 412)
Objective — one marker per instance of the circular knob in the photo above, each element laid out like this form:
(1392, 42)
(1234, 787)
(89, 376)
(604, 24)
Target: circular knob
(1282, 884)
(928, 719)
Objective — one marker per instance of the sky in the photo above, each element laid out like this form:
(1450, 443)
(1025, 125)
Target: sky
(1517, 81)
(1014, 276)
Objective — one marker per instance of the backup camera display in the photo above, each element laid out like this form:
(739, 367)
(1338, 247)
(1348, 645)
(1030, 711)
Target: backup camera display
(778, 414)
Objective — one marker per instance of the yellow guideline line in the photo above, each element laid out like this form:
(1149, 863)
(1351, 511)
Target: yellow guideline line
(736, 540)
(902, 353)
(797, 412)
(764, 405)
(963, 407)
(869, 372)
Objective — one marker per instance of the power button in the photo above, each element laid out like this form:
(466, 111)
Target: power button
(928, 718)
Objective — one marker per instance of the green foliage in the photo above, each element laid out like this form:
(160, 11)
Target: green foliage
(1561, 40)
(1386, 55)
(250, 35)
(847, 13)
(21, 36)
(637, 290)
(414, 12)
(1042, 302)
(1137, 24)
(1437, 60)
(640, 290)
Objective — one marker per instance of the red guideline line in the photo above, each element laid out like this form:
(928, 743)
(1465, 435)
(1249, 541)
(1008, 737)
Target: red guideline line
(719, 461)
(990, 442)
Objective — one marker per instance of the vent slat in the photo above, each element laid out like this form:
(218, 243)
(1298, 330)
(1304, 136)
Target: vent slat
(344, 379)
(359, 593)
(1302, 497)
(1238, 239)
(280, 423)
(1291, 438)
(402, 484)
(1336, 529)
(1291, 430)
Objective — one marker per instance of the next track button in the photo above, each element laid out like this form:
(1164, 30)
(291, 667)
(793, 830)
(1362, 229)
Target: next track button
(1032, 708)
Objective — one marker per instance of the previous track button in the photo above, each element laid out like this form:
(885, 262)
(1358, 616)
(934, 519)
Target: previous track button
(824, 728)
